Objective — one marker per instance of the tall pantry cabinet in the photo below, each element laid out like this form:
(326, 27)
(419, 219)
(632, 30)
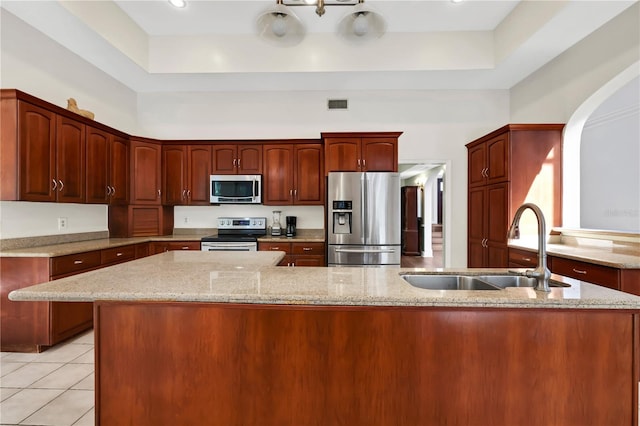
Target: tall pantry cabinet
(516, 164)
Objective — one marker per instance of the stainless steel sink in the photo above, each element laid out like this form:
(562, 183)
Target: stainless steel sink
(448, 282)
(503, 281)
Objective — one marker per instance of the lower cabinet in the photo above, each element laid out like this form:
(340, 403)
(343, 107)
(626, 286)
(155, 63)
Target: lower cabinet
(522, 258)
(156, 247)
(297, 253)
(35, 326)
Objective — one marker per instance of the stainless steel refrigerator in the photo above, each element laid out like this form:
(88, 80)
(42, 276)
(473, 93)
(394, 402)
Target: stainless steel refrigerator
(363, 219)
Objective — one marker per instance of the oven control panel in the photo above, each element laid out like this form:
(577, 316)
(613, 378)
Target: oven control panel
(259, 223)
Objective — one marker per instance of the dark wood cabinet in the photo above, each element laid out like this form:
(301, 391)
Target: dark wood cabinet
(293, 174)
(146, 172)
(185, 174)
(107, 164)
(496, 190)
(156, 247)
(231, 159)
(37, 153)
(523, 259)
(297, 253)
(409, 220)
(70, 160)
(361, 152)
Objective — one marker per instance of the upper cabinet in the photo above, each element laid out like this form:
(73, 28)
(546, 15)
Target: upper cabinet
(108, 167)
(185, 174)
(146, 172)
(293, 174)
(233, 159)
(361, 152)
(516, 164)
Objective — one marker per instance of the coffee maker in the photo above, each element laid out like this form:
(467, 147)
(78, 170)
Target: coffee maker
(291, 226)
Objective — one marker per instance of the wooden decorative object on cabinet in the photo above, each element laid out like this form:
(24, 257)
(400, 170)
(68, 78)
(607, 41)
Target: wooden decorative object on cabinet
(409, 220)
(293, 174)
(297, 253)
(361, 152)
(233, 159)
(185, 174)
(515, 164)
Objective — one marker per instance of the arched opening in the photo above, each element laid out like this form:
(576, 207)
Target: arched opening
(574, 188)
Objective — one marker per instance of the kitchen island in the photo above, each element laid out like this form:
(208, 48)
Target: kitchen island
(226, 338)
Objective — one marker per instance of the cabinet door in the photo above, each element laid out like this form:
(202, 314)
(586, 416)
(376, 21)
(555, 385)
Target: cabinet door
(174, 172)
(497, 226)
(224, 160)
(145, 173)
(278, 175)
(308, 174)
(497, 159)
(477, 158)
(199, 170)
(379, 155)
(37, 140)
(119, 170)
(249, 159)
(342, 154)
(97, 166)
(476, 224)
(70, 160)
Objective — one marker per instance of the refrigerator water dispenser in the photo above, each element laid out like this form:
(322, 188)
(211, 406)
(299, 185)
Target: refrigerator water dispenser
(342, 217)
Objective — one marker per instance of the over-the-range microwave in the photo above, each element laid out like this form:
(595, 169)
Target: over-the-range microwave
(235, 189)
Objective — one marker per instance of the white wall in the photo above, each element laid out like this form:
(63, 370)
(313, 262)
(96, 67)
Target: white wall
(33, 63)
(610, 163)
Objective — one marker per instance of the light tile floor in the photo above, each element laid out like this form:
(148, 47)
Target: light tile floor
(52, 388)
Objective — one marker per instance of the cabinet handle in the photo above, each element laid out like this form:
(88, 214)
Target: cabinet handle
(108, 191)
(188, 193)
(159, 193)
(238, 162)
(364, 162)
(291, 193)
(78, 262)
(275, 248)
(55, 184)
(118, 254)
(306, 249)
(358, 163)
(578, 271)
(185, 247)
(184, 194)
(61, 185)
(113, 191)
(295, 194)
(526, 259)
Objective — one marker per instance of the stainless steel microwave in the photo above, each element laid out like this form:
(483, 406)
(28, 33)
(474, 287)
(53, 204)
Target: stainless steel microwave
(236, 189)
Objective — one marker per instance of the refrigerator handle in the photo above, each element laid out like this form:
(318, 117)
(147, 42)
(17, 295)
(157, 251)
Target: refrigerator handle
(363, 206)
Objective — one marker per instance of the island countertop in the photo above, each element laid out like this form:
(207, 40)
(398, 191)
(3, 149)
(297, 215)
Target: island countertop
(231, 277)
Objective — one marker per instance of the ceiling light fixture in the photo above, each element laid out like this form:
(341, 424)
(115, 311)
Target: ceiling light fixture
(282, 27)
(178, 3)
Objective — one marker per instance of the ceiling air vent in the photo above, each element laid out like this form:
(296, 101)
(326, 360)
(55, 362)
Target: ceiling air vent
(337, 104)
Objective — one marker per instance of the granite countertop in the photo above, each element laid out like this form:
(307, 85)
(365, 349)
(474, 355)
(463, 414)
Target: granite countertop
(231, 277)
(615, 257)
(66, 248)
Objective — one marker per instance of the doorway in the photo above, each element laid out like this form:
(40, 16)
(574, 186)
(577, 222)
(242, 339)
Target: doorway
(423, 214)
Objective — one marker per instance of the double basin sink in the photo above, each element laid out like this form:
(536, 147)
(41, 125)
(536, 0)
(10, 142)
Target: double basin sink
(472, 282)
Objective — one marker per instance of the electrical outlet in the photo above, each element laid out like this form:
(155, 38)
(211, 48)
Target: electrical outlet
(62, 223)
(186, 220)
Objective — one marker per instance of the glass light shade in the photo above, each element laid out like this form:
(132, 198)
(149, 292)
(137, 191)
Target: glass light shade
(178, 3)
(360, 25)
(279, 26)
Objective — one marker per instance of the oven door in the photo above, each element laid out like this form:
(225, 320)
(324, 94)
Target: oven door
(228, 246)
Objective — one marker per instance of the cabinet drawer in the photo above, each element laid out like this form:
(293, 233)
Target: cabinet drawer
(309, 261)
(118, 254)
(75, 262)
(522, 258)
(315, 249)
(284, 246)
(184, 245)
(596, 274)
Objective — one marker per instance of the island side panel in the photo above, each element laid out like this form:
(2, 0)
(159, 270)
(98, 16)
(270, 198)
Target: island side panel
(223, 364)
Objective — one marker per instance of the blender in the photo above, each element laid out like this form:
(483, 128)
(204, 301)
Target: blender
(276, 229)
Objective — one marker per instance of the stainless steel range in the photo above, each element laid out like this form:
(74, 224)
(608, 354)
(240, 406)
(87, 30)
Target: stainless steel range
(236, 234)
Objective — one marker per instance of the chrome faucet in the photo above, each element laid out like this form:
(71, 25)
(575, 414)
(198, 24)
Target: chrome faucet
(541, 273)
